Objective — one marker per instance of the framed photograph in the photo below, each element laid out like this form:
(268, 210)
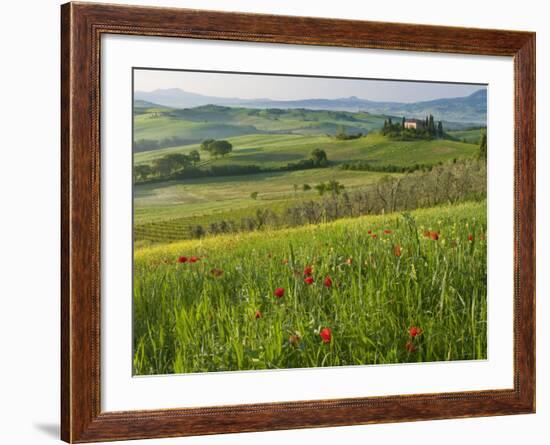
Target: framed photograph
(275, 222)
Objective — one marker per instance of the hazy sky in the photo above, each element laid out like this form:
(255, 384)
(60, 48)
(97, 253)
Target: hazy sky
(252, 86)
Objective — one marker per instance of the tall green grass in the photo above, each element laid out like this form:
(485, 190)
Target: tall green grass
(198, 317)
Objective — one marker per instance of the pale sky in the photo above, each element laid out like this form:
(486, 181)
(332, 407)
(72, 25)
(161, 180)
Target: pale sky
(277, 87)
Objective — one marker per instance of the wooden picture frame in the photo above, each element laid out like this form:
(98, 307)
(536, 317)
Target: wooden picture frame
(82, 26)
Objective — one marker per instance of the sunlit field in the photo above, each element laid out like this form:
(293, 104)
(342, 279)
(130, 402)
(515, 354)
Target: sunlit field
(394, 288)
(272, 230)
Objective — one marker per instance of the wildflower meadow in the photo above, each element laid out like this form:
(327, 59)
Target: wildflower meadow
(372, 290)
(294, 222)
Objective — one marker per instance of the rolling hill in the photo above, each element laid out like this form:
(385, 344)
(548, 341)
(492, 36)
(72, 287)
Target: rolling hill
(471, 109)
(269, 139)
(277, 150)
(213, 121)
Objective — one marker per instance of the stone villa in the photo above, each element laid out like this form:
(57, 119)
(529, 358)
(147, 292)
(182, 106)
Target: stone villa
(416, 124)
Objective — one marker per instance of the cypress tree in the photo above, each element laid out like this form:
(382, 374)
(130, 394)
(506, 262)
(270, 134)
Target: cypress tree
(483, 146)
(440, 129)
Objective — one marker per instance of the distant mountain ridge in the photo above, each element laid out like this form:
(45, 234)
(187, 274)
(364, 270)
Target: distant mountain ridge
(471, 109)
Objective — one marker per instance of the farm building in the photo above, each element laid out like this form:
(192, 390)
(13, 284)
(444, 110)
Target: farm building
(416, 124)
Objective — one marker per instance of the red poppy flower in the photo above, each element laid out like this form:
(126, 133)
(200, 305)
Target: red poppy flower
(279, 292)
(182, 259)
(257, 315)
(374, 236)
(397, 250)
(369, 231)
(410, 346)
(194, 259)
(308, 280)
(326, 335)
(216, 272)
(470, 237)
(387, 231)
(308, 271)
(415, 331)
(434, 235)
(327, 282)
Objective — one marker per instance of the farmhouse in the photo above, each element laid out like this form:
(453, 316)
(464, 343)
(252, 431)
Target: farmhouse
(416, 124)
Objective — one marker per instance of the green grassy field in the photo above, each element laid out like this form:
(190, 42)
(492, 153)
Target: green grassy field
(470, 136)
(372, 289)
(164, 211)
(219, 312)
(276, 150)
(222, 122)
(194, 197)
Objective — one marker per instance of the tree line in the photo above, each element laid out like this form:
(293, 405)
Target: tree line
(185, 166)
(449, 183)
(342, 135)
(387, 168)
(166, 165)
